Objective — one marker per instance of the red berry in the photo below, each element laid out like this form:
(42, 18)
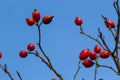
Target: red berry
(23, 53)
(88, 63)
(30, 21)
(53, 79)
(31, 47)
(84, 54)
(36, 15)
(47, 19)
(104, 54)
(109, 24)
(93, 55)
(97, 49)
(78, 21)
(0, 54)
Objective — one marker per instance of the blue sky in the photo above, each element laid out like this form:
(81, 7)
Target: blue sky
(60, 39)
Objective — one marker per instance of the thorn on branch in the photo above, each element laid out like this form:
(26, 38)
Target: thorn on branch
(36, 54)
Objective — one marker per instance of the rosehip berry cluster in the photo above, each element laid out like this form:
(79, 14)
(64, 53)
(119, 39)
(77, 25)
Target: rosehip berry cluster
(24, 53)
(88, 56)
(36, 17)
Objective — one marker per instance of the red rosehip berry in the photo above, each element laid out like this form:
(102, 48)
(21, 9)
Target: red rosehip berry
(93, 55)
(30, 21)
(104, 54)
(47, 19)
(97, 49)
(36, 15)
(84, 54)
(109, 24)
(88, 63)
(53, 79)
(23, 53)
(31, 47)
(0, 54)
(78, 21)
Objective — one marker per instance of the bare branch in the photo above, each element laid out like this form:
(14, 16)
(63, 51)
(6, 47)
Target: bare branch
(49, 66)
(19, 75)
(116, 6)
(110, 67)
(103, 41)
(48, 62)
(112, 33)
(5, 69)
(105, 18)
(95, 75)
(39, 44)
(76, 73)
(95, 39)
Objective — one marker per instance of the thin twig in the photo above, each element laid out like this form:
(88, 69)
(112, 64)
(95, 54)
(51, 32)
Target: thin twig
(112, 33)
(44, 61)
(95, 39)
(39, 44)
(110, 67)
(96, 66)
(105, 18)
(116, 6)
(103, 41)
(115, 51)
(115, 30)
(95, 75)
(38, 55)
(118, 26)
(19, 75)
(76, 73)
(48, 62)
(5, 69)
